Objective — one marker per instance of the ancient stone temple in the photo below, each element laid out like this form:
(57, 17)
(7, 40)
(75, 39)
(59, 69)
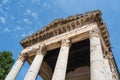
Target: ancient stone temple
(74, 48)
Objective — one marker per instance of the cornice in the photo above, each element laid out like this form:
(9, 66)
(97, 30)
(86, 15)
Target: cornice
(62, 25)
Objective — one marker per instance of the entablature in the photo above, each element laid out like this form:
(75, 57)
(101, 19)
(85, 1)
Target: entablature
(60, 26)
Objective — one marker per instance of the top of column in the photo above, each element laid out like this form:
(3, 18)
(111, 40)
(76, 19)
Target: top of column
(66, 42)
(22, 57)
(94, 32)
(41, 49)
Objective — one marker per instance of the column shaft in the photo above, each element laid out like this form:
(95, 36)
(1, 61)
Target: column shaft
(61, 65)
(14, 71)
(107, 70)
(96, 59)
(34, 68)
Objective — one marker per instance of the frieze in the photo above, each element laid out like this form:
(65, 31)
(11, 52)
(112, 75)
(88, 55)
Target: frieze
(62, 25)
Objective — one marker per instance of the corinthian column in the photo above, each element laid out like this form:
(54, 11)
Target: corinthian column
(35, 66)
(16, 68)
(61, 65)
(97, 71)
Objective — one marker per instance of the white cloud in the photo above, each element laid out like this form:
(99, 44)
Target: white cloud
(12, 17)
(28, 12)
(34, 14)
(18, 28)
(30, 32)
(26, 20)
(7, 30)
(5, 1)
(45, 5)
(20, 5)
(23, 35)
(35, 1)
(2, 20)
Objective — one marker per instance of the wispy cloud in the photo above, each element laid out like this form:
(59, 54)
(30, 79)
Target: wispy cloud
(20, 5)
(31, 13)
(35, 1)
(46, 5)
(26, 20)
(34, 14)
(12, 17)
(2, 20)
(5, 1)
(18, 28)
(23, 35)
(28, 12)
(7, 30)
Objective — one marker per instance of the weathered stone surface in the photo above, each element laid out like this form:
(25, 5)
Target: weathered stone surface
(97, 68)
(61, 65)
(15, 70)
(34, 68)
(60, 26)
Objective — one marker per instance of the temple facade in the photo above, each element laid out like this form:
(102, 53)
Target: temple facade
(74, 48)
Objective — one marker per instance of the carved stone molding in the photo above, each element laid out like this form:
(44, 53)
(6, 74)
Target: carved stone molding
(64, 25)
(107, 55)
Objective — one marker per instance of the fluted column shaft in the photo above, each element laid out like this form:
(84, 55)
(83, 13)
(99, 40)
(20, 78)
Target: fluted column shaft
(61, 65)
(97, 70)
(35, 66)
(15, 69)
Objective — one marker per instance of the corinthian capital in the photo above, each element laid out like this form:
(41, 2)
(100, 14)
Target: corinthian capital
(22, 57)
(66, 42)
(94, 32)
(41, 49)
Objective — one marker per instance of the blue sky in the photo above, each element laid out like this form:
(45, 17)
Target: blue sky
(19, 18)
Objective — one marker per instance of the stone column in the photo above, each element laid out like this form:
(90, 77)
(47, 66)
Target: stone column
(35, 66)
(97, 71)
(16, 68)
(61, 64)
(108, 72)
